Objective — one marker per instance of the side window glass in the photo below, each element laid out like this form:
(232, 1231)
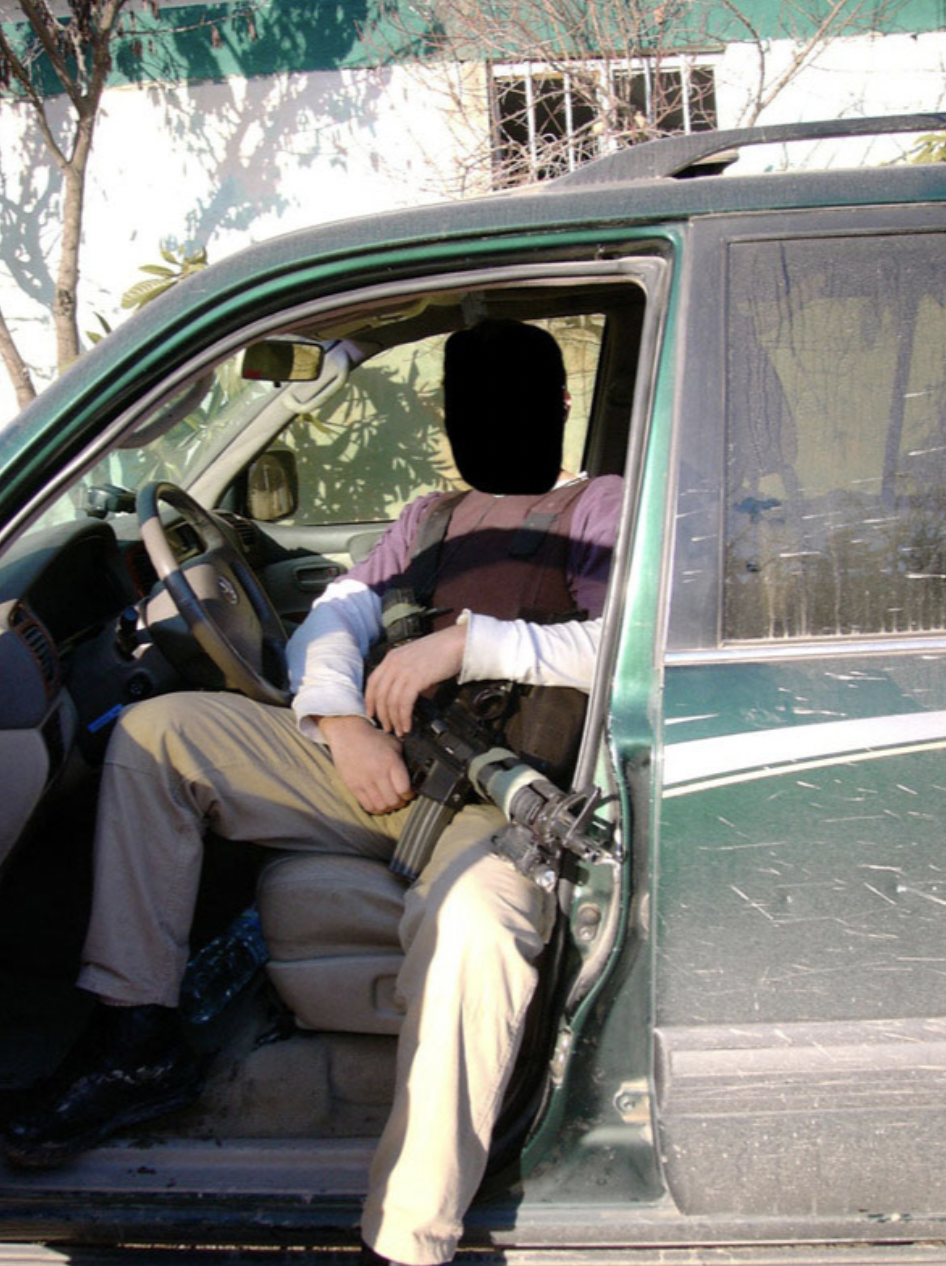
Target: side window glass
(379, 443)
(836, 438)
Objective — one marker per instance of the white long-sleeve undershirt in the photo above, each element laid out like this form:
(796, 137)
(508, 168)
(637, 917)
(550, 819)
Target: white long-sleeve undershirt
(534, 654)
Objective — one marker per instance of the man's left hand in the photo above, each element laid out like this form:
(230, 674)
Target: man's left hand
(408, 670)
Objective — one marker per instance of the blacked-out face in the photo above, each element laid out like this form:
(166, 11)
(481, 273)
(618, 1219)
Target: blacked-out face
(505, 406)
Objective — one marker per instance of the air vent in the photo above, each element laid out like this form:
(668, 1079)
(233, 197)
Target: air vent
(186, 541)
(141, 569)
(245, 530)
(39, 644)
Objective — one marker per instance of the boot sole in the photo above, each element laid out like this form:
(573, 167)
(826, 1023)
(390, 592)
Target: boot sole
(50, 1156)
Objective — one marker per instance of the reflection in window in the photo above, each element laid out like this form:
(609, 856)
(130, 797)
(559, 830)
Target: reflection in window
(378, 443)
(836, 438)
(177, 442)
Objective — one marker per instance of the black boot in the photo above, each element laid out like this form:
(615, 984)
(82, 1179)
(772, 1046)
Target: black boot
(131, 1064)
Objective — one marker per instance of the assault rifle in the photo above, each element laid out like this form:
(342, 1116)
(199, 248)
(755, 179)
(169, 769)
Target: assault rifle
(453, 752)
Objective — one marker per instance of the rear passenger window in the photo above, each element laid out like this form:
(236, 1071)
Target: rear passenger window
(835, 520)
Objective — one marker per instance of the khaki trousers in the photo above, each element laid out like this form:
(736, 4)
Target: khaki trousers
(472, 930)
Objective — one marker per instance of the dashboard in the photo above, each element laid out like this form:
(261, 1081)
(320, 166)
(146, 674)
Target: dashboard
(71, 655)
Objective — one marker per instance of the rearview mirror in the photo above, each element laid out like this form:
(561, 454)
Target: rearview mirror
(276, 360)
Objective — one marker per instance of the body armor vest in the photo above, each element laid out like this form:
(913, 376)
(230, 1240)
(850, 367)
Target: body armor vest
(507, 557)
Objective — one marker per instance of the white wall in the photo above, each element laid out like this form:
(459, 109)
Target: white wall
(213, 165)
(222, 165)
(850, 78)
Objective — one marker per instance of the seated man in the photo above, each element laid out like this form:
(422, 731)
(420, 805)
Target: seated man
(329, 776)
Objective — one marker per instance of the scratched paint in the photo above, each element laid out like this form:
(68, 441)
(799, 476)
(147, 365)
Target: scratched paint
(803, 889)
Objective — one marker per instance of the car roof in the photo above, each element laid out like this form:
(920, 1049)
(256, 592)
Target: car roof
(636, 186)
(639, 184)
(642, 185)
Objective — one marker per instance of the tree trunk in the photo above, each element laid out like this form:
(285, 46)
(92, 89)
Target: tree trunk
(65, 304)
(80, 55)
(16, 366)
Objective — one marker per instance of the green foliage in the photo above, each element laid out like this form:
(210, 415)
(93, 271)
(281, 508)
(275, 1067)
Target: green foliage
(199, 430)
(96, 336)
(930, 148)
(161, 277)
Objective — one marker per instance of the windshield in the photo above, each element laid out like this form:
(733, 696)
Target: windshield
(175, 443)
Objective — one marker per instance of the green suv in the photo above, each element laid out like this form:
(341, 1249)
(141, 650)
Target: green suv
(739, 1051)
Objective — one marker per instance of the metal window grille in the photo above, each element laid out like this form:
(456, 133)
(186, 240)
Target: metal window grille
(547, 120)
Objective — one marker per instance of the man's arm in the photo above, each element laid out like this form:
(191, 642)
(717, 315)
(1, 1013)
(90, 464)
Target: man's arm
(533, 654)
(475, 648)
(409, 669)
(593, 533)
(326, 664)
(481, 648)
(326, 654)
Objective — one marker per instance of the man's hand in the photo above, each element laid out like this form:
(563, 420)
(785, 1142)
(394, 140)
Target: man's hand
(369, 763)
(407, 670)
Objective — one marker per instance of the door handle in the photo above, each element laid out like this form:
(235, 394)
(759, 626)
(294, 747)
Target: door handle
(316, 576)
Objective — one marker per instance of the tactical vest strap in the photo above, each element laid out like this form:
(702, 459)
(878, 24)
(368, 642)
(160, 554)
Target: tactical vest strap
(533, 532)
(425, 553)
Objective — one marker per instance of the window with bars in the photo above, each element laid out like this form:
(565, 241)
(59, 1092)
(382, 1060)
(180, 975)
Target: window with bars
(668, 100)
(548, 120)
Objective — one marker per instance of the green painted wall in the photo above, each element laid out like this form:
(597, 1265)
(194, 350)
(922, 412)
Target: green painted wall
(259, 37)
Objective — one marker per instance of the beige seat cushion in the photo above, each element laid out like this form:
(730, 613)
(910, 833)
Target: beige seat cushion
(331, 923)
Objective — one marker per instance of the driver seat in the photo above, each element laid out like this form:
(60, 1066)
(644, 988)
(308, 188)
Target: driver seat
(331, 927)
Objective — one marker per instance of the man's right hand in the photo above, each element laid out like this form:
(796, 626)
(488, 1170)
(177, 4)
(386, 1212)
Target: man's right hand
(369, 763)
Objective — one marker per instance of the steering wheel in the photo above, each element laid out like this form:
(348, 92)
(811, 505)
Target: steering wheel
(223, 604)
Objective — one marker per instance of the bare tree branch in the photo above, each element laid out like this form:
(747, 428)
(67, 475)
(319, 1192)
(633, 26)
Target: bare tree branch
(15, 366)
(16, 68)
(567, 80)
(757, 41)
(46, 29)
(825, 30)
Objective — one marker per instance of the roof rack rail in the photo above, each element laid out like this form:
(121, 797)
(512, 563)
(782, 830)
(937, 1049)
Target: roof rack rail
(675, 156)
